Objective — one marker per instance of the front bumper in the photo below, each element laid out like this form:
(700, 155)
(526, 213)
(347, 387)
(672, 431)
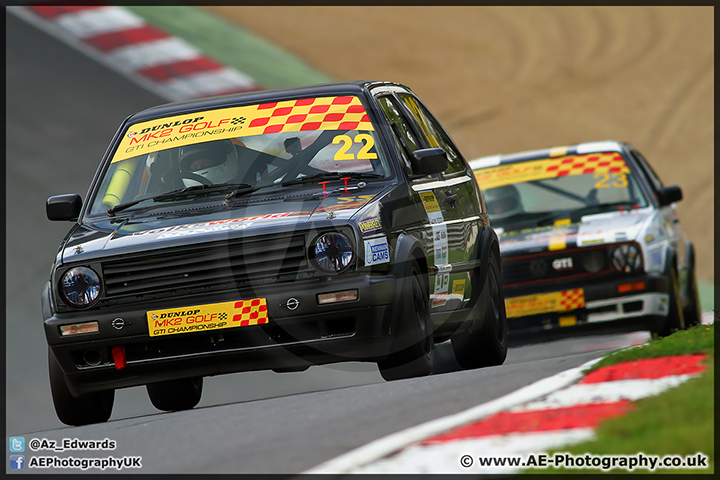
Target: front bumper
(309, 334)
(605, 310)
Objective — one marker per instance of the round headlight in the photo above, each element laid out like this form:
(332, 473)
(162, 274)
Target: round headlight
(80, 286)
(627, 258)
(332, 252)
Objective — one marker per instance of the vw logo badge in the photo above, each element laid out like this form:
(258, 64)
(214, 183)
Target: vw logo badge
(538, 267)
(292, 303)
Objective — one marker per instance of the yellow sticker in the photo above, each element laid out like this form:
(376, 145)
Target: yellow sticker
(430, 202)
(201, 318)
(568, 321)
(323, 113)
(558, 242)
(557, 151)
(565, 300)
(458, 287)
(591, 163)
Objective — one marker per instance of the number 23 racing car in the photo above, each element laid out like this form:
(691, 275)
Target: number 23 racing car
(270, 230)
(591, 241)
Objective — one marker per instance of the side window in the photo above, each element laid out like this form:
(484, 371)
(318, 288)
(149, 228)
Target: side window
(648, 171)
(655, 183)
(433, 133)
(405, 140)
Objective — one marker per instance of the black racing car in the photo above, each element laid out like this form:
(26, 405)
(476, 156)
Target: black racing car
(271, 230)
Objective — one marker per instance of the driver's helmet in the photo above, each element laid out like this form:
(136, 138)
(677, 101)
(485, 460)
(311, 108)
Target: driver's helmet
(502, 202)
(216, 161)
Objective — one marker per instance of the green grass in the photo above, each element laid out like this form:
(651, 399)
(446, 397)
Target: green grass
(698, 339)
(679, 421)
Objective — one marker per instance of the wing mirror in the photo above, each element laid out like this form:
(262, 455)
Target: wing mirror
(670, 195)
(63, 207)
(428, 161)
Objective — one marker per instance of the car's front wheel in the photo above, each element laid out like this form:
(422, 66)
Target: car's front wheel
(412, 350)
(488, 345)
(90, 408)
(175, 395)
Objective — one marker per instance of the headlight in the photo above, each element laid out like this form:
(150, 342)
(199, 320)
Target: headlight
(331, 252)
(627, 258)
(80, 286)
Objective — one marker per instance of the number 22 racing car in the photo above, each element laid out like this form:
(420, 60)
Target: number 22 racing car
(270, 230)
(591, 241)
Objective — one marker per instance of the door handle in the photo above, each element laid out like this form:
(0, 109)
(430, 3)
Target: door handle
(451, 199)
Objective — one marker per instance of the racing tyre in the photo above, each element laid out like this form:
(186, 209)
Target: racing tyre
(488, 346)
(693, 311)
(412, 350)
(175, 395)
(675, 319)
(90, 408)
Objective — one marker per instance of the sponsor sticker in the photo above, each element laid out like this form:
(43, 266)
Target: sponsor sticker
(608, 168)
(370, 225)
(557, 242)
(214, 226)
(442, 283)
(562, 301)
(214, 316)
(430, 202)
(458, 287)
(440, 246)
(377, 251)
(321, 113)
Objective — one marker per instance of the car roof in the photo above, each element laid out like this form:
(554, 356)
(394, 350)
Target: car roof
(356, 87)
(577, 149)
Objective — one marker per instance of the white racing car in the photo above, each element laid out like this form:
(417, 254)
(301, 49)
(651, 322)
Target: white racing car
(590, 237)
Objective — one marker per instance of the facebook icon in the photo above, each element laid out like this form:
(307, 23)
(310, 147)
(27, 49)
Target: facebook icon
(17, 462)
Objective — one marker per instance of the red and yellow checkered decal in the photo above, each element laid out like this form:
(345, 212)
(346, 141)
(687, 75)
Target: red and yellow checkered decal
(307, 114)
(572, 299)
(252, 312)
(589, 163)
(214, 316)
(562, 301)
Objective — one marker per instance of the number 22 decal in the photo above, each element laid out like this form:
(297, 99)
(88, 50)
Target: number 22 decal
(366, 140)
(615, 179)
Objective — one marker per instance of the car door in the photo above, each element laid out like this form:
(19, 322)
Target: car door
(450, 200)
(668, 216)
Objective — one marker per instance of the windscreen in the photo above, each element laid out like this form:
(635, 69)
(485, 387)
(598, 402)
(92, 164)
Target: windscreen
(539, 192)
(258, 146)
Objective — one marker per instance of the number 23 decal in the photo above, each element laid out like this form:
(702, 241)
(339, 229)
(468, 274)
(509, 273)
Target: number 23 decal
(366, 140)
(615, 179)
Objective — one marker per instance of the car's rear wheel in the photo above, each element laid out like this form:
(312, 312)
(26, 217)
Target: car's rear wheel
(412, 350)
(90, 408)
(175, 395)
(488, 345)
(675, 319)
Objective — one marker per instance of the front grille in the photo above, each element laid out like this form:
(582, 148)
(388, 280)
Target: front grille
(268, 258)
(560, 265)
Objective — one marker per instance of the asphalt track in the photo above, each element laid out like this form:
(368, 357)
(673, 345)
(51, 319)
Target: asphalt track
(62, 110)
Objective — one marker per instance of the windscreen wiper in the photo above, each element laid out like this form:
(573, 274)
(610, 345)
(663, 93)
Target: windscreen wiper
(536, 218)
(603, 207)
(184, 192)
(331, 176)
